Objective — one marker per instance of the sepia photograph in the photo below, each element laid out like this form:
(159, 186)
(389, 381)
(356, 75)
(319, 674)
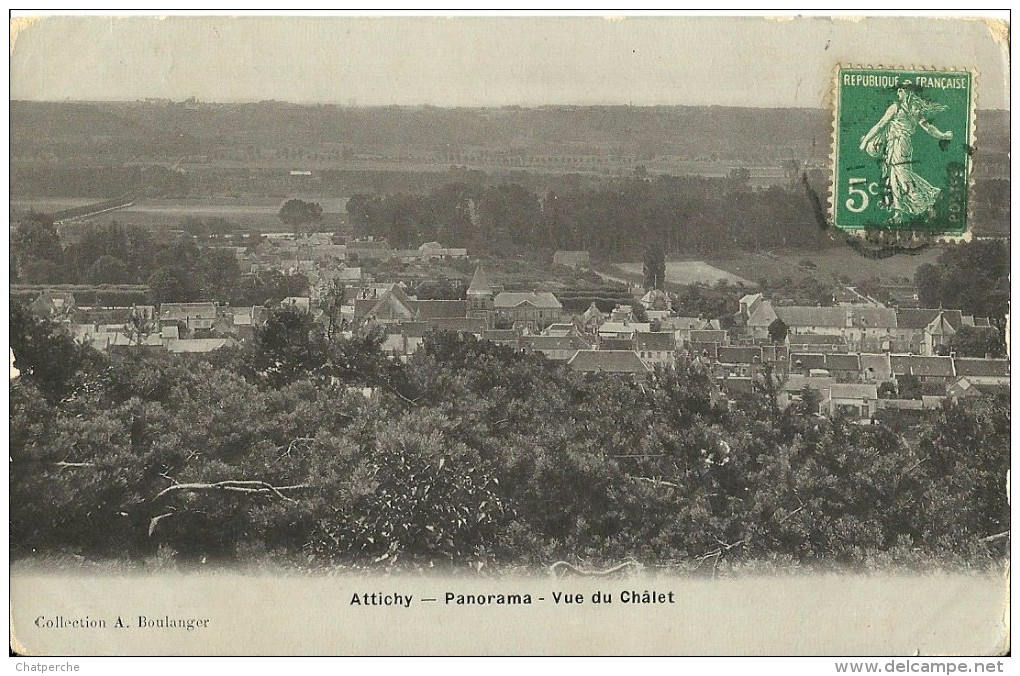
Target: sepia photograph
(509, 335)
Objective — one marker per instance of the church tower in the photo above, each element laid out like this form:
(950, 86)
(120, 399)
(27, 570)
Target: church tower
(480, 295)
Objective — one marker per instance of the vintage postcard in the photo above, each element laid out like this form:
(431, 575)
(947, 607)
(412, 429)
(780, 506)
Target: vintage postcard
(409, 335)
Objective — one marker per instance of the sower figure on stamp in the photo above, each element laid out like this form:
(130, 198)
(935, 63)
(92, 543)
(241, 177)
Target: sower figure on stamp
(906, 195)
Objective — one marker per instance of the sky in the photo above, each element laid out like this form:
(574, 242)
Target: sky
(472, 61)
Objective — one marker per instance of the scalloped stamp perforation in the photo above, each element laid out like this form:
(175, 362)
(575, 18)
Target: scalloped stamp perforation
(903, 145)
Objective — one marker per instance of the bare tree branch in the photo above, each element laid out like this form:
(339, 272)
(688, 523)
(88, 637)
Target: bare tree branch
(410, 402)
(655, 481)
(997, 536)
(234, 486)
(913, 467)
(728, 546)
(156, 519)
(714, 552)
(791, 514)
(291, 445)
(569, 567)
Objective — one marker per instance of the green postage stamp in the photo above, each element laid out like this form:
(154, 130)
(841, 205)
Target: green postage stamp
(903, 144)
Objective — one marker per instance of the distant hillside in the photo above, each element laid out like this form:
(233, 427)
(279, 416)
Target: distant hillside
(160, 131)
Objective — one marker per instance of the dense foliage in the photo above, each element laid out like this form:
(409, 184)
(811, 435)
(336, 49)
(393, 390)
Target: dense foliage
(298, 214)
(973, 277)
(616, 220)
(175, 269)
(317, 451)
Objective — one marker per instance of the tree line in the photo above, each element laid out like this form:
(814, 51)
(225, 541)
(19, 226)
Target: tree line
(972, 277)
(682, 214)
(176, 269)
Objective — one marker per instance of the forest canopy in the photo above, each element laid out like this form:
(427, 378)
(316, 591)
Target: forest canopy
(679, 213)
(320, 451)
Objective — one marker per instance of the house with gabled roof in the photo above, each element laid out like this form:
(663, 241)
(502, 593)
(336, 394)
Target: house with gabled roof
(535, 309)
(922, 330)
(815, 342)
(622, 330)
(194, 320)
(52, 304)
(657, 299)
(179, 311)
(681, 327)
(983, 371)
(938, 334)
(861, 326)
(844, 368)
(560, 330)
(124, 342)
(859, 401)
(616, 362)
(591, 319)
(655, 347)
(804, 362)
(386, 305)
(614, 343)
(557, 348)
(939, 370)
(717, 336)
(621, 314)
(760, 320)
(870, 328)
(506, 337)
(748, 304)
(738, 360)
(812, 320)
(239, 321)
(962, 388)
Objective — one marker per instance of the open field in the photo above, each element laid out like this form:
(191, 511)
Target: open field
(251, 214)
(688, 272)
(835, 261)
(748, 268)
(227, 207)
(171, 220)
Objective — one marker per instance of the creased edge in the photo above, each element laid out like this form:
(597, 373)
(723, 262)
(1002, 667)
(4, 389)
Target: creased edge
(18, 25)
